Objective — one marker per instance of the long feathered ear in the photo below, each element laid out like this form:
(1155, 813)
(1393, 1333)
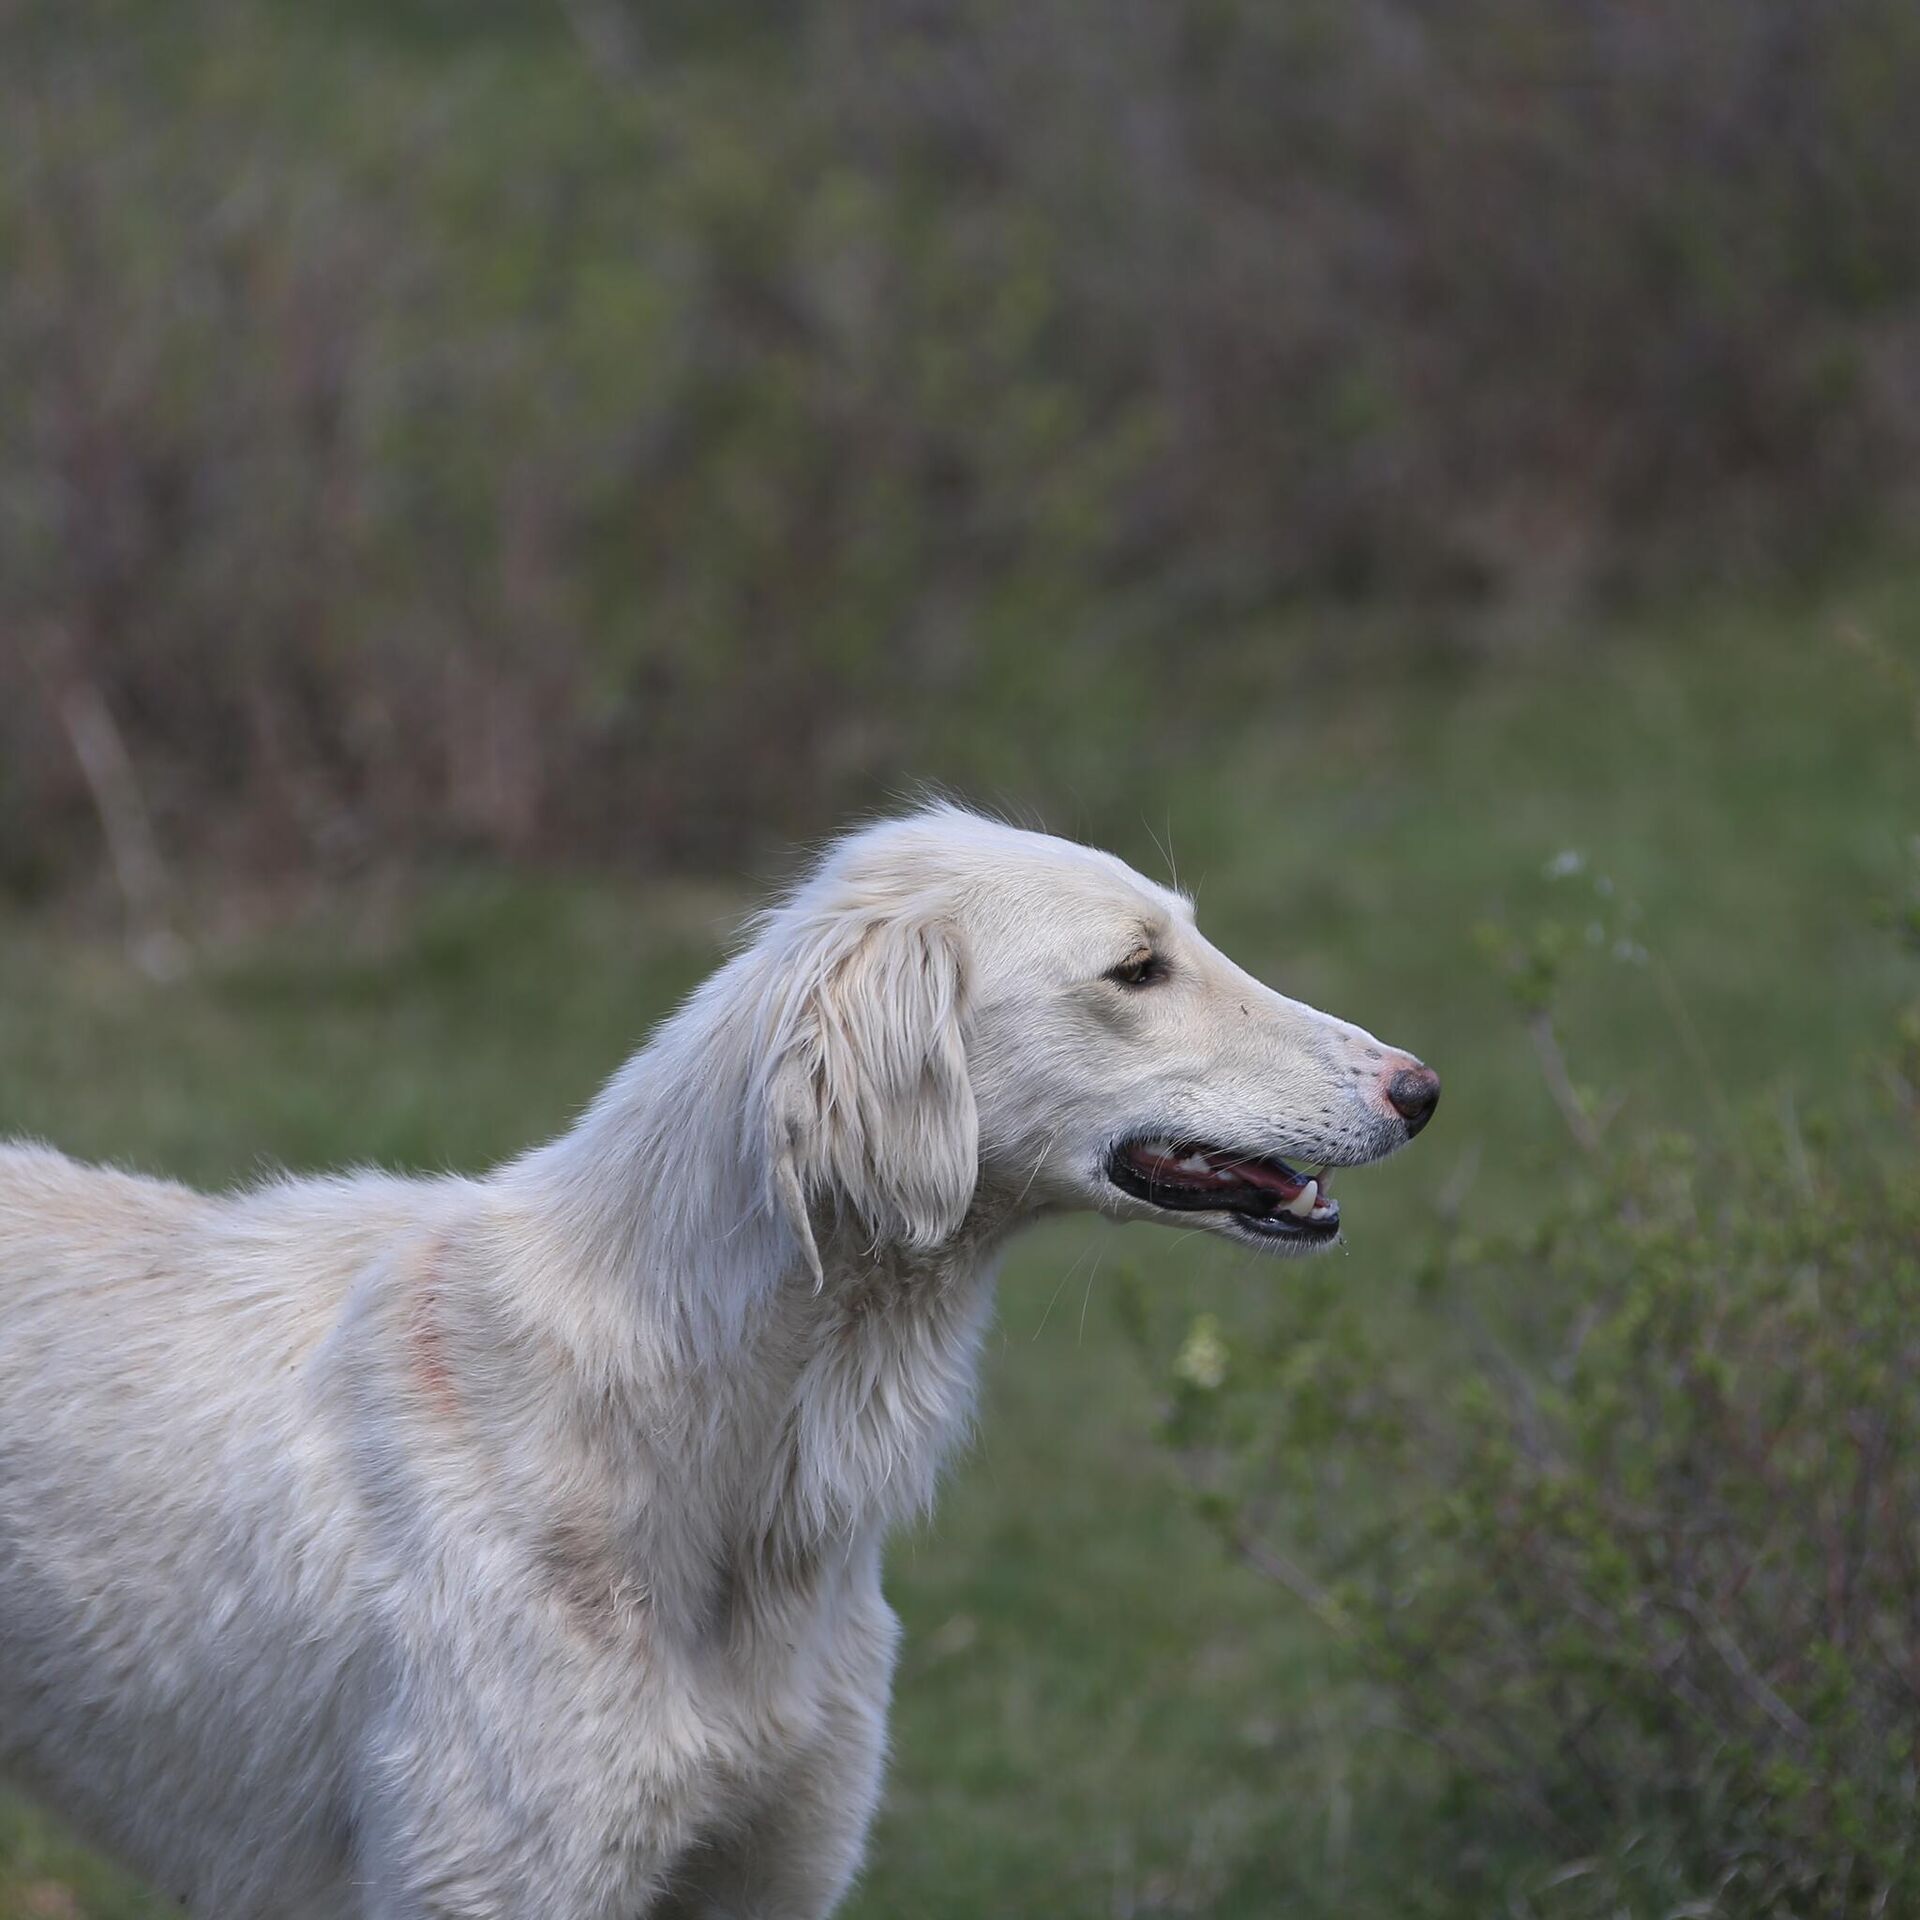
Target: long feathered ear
(866, 1094)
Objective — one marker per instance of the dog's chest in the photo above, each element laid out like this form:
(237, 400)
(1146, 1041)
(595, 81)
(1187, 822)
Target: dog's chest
(727, 1520)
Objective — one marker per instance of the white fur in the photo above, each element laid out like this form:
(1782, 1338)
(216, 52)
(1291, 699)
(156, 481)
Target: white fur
(511, 1546)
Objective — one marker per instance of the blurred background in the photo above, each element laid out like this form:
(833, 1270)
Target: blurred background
(484, 484)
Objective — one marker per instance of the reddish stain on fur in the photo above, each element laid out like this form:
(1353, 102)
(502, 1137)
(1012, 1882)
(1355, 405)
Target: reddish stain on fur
(426, 1353)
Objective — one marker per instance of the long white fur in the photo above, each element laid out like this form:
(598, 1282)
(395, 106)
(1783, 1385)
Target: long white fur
(511, 1546)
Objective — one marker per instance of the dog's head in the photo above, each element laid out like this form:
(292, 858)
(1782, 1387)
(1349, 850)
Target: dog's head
(966, 1009)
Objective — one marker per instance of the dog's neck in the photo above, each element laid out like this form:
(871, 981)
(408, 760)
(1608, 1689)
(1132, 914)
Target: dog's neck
(793, 1420)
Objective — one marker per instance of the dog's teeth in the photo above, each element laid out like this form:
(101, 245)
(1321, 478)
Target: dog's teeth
(1302, 1202)
(1196, 1163)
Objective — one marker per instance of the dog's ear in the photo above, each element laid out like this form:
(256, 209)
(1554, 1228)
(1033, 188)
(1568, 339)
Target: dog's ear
(868, 1099)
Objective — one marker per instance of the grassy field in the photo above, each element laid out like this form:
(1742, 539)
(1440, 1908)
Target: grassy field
(1097, 1714)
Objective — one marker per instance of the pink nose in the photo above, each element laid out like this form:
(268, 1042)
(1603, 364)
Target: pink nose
(1413, 1093)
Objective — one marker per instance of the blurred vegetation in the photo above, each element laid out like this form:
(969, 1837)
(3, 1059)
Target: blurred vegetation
(638, 433)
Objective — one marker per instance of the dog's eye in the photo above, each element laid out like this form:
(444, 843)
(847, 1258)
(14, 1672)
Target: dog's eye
(1140, 969)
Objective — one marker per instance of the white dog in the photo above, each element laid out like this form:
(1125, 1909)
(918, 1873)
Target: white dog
(509, 1549)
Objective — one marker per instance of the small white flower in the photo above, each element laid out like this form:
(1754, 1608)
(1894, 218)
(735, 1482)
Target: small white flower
(1202, 1359)
(1565, 864)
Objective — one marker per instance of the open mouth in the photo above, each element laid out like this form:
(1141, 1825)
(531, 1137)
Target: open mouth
(1266, 1196)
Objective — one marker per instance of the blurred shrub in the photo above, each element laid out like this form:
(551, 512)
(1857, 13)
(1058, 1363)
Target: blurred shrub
(1639, 1568)
(612, 427)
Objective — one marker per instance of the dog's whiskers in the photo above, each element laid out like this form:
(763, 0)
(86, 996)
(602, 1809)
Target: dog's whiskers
(1060, 1289)
(1040, 1162)
(1087, 1299)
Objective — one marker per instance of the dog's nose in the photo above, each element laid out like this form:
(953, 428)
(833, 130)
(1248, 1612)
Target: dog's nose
(1413, 1093)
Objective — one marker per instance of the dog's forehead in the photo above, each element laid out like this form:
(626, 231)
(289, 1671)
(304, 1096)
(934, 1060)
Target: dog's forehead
(1059, 886)
(1090, 877)
(1011, 879)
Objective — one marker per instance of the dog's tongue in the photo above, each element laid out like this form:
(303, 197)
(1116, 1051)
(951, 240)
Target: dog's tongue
(1229, 1169)
(1271, 1175)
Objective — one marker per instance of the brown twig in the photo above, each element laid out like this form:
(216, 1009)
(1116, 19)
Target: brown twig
(138, 870)
(1553, 1068)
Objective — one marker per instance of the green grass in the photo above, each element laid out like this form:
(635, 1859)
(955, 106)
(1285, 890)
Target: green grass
(1097, 1714)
